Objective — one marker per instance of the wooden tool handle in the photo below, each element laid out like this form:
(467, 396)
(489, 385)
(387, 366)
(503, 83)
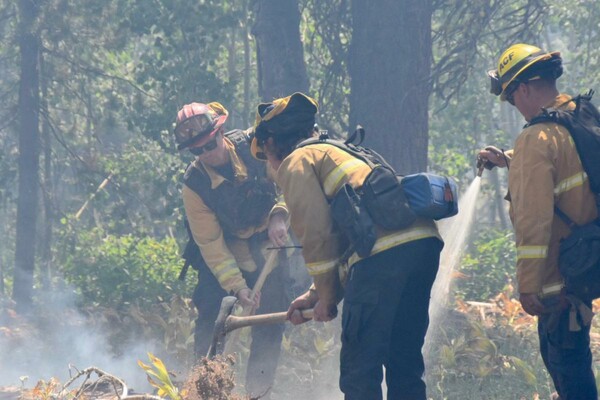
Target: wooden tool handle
(270, 264)
(234, 322)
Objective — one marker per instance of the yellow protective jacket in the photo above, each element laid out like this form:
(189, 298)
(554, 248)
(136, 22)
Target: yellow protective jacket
(309, 178)
(545, 171)
(224, 258)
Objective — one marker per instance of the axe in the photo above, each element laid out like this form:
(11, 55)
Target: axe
(226, 323)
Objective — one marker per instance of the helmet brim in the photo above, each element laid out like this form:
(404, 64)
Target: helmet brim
(542, 57)
(219, 121)
(256, 151)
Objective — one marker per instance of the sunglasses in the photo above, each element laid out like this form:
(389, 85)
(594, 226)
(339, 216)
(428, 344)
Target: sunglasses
(510, 94)
(210, 146)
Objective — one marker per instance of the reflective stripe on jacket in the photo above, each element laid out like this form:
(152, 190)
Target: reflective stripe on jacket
(545, 170)
(309, 178)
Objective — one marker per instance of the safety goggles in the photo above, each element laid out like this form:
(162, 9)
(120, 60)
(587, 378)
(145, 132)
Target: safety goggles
(210, 146)
(495, 83)
(192, 129)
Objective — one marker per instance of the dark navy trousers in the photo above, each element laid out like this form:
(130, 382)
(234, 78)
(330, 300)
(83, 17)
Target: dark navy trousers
(384, 321)
(567, 356)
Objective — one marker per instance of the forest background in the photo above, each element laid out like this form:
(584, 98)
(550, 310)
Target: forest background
(90, 212)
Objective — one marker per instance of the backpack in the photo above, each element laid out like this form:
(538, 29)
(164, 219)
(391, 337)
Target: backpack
(385, 199)
(579, 254)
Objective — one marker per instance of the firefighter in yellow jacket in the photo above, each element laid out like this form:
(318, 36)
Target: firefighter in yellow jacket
(545, 171)
(233, 215)
(386, 295)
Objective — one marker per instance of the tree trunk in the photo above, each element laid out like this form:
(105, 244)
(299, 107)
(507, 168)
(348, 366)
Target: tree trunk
(28, 156)
(47, 187)
(389, 64)
(2, 290)
(247, 77)
(279, 52)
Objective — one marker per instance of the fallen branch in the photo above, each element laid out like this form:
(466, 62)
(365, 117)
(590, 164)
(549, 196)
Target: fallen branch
(93, 195)
(103, 377)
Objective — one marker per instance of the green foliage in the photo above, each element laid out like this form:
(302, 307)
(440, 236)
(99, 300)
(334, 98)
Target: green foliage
(489, 265)
(177, 45)
(115, 271)
(574, 29)
(326, 31)
(145, 189)
(464, 33)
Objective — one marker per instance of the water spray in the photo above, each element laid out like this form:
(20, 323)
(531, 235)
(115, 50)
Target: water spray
(455, 232)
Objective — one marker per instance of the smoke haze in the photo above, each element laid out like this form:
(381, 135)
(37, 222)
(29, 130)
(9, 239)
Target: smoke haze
(44, 346)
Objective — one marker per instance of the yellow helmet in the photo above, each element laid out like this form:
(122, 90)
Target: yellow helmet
(517, 59)
(282, 117)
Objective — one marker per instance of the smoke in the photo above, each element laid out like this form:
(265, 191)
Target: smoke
(56, 336)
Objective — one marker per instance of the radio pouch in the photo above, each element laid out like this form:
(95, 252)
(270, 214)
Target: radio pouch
(579, 260)
(352, 218)
(385, 200)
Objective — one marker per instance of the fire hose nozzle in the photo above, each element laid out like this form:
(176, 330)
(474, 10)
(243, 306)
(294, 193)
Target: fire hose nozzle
(480, 170)
(480, 165)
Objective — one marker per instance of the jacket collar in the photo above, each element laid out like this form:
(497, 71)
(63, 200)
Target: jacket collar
(240, 171)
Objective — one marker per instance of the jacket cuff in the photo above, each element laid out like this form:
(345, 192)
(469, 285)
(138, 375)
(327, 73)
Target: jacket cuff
(528, 277)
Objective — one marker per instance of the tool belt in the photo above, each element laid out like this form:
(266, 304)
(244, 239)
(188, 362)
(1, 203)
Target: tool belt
(580, 313)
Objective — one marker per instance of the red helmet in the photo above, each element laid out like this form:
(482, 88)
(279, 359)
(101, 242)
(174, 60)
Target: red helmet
(197, 120)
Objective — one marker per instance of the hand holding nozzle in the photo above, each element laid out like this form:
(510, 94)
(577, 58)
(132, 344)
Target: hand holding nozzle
(491, 157)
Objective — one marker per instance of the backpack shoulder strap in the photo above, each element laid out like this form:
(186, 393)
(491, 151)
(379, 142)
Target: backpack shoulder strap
(340, 145)
(242, 140)
(369, 156)
(237, 136)
(584, 109)
(199, 182)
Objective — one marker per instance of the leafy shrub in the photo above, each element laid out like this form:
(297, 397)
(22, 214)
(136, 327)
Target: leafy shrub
(114, 271)
(488, 266)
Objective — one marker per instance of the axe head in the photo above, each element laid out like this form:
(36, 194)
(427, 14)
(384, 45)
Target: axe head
(219, 332)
